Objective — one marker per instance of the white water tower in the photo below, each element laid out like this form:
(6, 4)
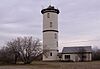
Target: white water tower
(50, 33)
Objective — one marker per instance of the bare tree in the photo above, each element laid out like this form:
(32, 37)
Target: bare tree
(7, 56)
(96, 54)
(26, 48)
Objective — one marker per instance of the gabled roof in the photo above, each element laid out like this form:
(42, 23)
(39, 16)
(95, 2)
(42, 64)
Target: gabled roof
(80, 49)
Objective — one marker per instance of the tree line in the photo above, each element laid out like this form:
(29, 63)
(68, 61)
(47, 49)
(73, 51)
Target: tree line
(96, 54)
(24, 50)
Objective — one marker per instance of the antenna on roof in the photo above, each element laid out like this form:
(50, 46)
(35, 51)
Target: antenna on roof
(50, 2)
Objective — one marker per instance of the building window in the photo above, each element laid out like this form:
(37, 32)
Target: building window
(55, 36)
(84, 57)
(51, 54)
(48, 15)
(50, 24)
(67, 56)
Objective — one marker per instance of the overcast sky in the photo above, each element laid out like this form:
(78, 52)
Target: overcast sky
(79, 20)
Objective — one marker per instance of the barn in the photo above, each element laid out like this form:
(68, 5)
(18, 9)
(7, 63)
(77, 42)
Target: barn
(81, 53)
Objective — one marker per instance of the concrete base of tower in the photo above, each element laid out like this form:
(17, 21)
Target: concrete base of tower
(50, 56)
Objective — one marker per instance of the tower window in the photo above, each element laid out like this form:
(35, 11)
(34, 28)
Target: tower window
(57, 44)
(55, 36)
(50, 24)
(48, 15)
(51, 54)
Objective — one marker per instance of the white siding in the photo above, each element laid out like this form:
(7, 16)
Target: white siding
(75, 57)
(88, 57)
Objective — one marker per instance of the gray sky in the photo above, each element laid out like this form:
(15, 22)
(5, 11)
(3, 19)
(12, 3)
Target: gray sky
(79, 20)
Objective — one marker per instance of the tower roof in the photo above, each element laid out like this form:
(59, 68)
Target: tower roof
(50, 9)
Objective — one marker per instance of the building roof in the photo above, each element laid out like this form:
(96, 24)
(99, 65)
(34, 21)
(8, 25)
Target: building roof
(81, 49)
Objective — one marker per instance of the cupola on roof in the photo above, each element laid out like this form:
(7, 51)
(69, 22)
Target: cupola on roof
(50, 9)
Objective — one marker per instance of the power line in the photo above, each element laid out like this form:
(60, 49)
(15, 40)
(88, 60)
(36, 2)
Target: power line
(81, 41)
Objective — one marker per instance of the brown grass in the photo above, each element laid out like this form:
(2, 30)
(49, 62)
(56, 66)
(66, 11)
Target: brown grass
(55, 65)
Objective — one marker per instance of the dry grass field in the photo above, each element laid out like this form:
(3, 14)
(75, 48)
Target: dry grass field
(55, 65)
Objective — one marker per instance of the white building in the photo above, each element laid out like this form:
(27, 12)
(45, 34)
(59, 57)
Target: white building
(50, 33)
(83, 53)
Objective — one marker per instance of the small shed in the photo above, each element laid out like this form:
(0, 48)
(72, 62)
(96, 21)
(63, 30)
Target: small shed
(82, 53)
